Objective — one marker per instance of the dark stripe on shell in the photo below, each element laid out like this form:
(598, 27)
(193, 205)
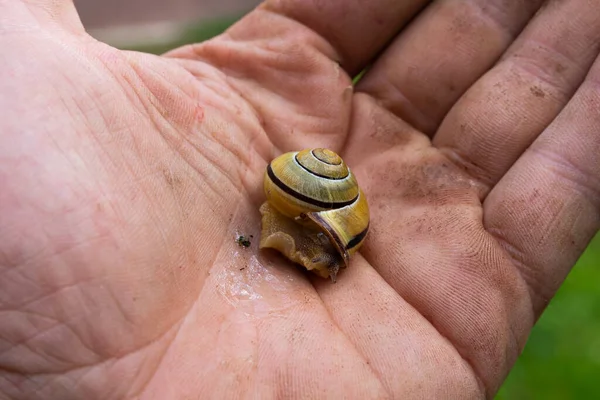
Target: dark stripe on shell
(317, 174)
(338, 244)
(312, 152)
(306, 199)
(357, 239)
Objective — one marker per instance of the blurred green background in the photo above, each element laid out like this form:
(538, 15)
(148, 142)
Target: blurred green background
(562, 357)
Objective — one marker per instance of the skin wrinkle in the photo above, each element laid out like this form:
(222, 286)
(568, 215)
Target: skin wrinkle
(256, 121)
(221, 59)
(468, 361)
(215, 162)
(46, 357)
(429, 321)
(6, 268)
(239, 155)
(324, 117)
(237, 84)
(270, 132)
(23, 381)
(12, 28)
(57, 289)
(25, 339)
(235, 183)
(71, 322)
(205, 178)
(29, 8)
(404, 102)
(128, 165)
(579, 179)
(134, 98)
(464, 352)
(482, 183)
(528, 273)
(186, 237)
(77, 107)
(516, 257)
(533, 44)
(321, 44)
(254, 124)
(491, 11)
(90, 367)
(58, 381)
(100, 144)
(271, 55)
(4, 378)
(147, 110)
(80, 377)
(164, 84)
(476, 374)
(227, 145)
(287, 379)
(111, 296)
(375, 373)
(103, 359)
(155, 81)
(161, 358)
(529, 67)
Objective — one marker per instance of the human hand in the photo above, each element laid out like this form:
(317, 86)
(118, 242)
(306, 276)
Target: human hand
(125, 178)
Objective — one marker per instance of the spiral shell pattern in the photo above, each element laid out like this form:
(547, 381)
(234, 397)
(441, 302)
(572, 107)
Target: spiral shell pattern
(309, 180)
(318, 185)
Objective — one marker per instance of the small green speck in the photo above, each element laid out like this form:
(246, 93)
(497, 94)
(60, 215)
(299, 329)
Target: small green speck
(244, 241)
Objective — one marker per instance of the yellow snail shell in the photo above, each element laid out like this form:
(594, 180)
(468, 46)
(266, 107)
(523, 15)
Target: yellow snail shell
(315, 213)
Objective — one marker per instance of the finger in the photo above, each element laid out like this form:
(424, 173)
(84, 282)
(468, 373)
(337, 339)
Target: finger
(507, 109)
(441, 54)
(281, 58)
(427, 242)
(357, 29)
(46, 14)
(401, 347)
(547, 207)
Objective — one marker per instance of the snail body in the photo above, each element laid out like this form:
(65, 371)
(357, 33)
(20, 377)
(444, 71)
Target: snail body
(315, 213)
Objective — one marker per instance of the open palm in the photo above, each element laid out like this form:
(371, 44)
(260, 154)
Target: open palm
(126, 177)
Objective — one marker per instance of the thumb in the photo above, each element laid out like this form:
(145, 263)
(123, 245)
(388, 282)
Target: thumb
(52, 15)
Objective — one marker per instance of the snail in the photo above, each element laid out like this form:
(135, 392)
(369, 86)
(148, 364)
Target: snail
(315, 214)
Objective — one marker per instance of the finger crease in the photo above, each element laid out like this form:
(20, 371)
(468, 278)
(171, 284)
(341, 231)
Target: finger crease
(469, 363)
(480, 175)
(546, 65)
(586, 183)
(498, 15)
(517, 256)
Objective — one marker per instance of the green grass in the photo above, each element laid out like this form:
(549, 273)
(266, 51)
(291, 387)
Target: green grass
(562, 357)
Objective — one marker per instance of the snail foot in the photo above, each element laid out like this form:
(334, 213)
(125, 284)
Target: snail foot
(301, 244)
